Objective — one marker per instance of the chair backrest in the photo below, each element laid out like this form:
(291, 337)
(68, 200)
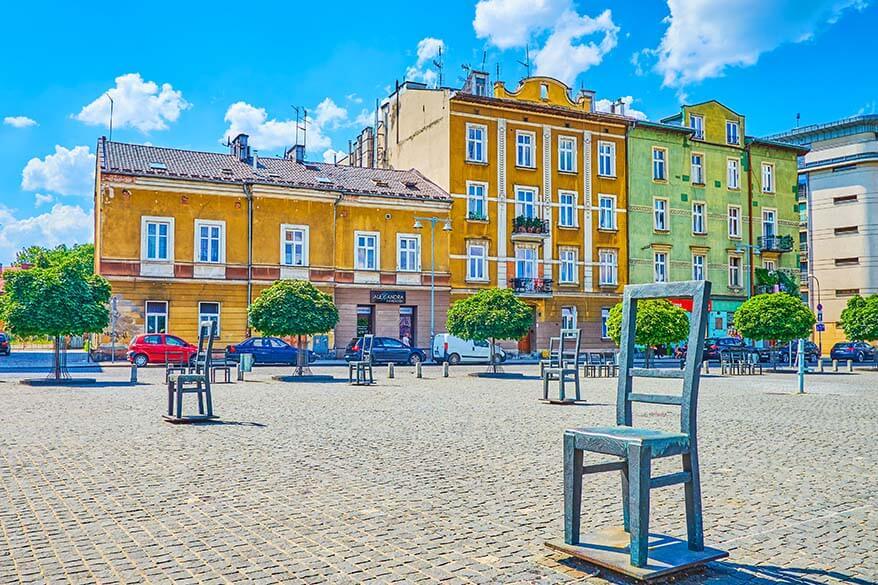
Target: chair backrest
(554, 351)
(699, 292)
(570, 343)
(206, 332)
(366, 349)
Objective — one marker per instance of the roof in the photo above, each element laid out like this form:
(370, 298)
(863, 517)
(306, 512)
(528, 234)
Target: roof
(664, 126)
(544, 108)
(777, 144)
(838, 128)
(192, 165)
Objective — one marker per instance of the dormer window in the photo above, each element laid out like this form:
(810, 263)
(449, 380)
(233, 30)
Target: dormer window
(480, 85)
(158, 166)
(544, 91)
(697, 124)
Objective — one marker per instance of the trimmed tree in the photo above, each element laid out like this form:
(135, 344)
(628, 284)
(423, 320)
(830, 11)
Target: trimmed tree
(659, 322)
(859, 319)
(489, 315)
(293, 307)
(778, 317)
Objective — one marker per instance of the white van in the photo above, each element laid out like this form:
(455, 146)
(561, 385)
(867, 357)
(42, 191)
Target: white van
(454, 350)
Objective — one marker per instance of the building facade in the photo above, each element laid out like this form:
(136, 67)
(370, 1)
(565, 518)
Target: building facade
(707, 202)
(838, 189)
(184, 236)
(539, 183)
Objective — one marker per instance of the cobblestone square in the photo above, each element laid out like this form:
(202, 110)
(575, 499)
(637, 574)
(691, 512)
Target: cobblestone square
(454, 480)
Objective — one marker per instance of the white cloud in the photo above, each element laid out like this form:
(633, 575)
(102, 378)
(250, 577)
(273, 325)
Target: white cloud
(705, 37)
(354, 98)
(19, 121)
(137, 104)
(363, 119)
(428, 49)
(328, 114)
(40, 199)
(605, 106)
(63, 224)
(331, 156)
(511, 23)
(565, 55)
(66, 172)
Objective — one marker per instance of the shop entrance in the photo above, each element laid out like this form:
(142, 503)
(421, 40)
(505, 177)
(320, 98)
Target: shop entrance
(365, 320)
(527, 343)
(408, 321)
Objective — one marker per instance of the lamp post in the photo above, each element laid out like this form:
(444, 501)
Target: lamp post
(819, 312)
(445, 228)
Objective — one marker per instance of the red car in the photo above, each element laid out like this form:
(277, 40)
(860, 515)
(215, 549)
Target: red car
(159, 348)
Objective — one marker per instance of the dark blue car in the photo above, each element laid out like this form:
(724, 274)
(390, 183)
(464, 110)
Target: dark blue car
(268, 350)
(858, 351)
(386, 350)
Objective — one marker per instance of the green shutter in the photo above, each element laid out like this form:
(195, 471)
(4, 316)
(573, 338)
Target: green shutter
(686, 178)
(684, 197)
(755, 204)
(717, 184)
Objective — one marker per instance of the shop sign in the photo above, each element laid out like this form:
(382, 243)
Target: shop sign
(396, 297)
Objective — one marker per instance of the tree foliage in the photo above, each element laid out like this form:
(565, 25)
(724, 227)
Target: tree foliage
(293, 307)
(80, 256)
(490, 314)
(859, 319)
(659, 322)
(780, 317)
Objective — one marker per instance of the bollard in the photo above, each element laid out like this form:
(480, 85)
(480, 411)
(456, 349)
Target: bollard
(390, 373)
(418, 373)
(133, 373)
(706, 367)
(820, 366)
(850, 365)
(834, 365)
(445, 369)
(240, 370)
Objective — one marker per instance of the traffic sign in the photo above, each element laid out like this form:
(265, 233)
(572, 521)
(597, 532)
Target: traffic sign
(821, 327)
(819, 315)
(819, 306)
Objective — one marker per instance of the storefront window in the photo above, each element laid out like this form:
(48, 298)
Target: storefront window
(407, 325)
(365, 320)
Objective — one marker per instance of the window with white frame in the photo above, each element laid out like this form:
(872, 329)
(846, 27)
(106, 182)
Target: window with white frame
(699, 213)
(660, 214)
(210, 312)
(476, 200)
(698, 264)
(156, 317)
(769, 265)
(294, 245)
(606, 159)
(525, 262)
(524, 149)
(366, 250)
(697, 124)
(734, 174)
(605, 316)
(567, 154)
(477, 261)
(525, 202)
(697, 170)
(732, 132)
(158, 239)
(769, 223)
(734, 221)
(568, 266)
(408, 253)
(210, 244)
(567, 208)
(659, 164)
(660, 266)
(767, 178)
(568, 317)
(606, 212)
(476, 143)
(735, 271)
(609, 267)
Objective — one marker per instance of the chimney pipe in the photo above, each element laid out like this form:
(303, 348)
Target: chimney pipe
(255, 160)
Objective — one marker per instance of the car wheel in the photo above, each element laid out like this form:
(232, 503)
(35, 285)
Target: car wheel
(454, 359)
(860, 357)
(414, 359)
(140, 360)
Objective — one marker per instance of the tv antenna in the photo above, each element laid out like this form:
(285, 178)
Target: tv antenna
(526, 62)
(112, 104)
(438, 64)
(301, 125)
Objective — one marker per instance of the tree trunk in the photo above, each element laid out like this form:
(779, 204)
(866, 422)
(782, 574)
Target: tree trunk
(56, 357)
(493, 361)
(648, 355)
(301, 358)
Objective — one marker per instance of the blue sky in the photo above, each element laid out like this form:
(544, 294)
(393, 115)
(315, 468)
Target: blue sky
(186, 76)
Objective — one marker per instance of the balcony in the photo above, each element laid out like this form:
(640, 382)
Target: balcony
(775, 243)
(529, 228)
(531, 286)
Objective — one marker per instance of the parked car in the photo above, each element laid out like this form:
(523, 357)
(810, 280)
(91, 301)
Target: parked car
(159, 348)
(5, 344)
(714, 345)
(105, 352)
(267, 350)
(782, 352)
(859, 351)
(385, 350)
(454, 350)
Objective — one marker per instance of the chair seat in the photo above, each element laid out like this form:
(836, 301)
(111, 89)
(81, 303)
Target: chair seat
(615, 440)
(184, 378)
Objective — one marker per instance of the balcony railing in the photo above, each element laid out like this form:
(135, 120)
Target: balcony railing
(530, 225)
(531, 285)
(775, 243)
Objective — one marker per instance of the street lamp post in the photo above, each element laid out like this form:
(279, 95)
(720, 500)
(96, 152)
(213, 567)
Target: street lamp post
(445, 228)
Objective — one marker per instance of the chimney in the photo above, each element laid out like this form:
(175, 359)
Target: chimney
(240, 147)
(296, 153)
(255, 160)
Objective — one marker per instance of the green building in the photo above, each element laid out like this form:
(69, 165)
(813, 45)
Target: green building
(707, 202)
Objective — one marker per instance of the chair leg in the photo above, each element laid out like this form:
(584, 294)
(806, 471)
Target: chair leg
(562, 395)
(626, 513)
(576, 383)
(545, 386)
(572, 490)
(200, 398)
(170, 399)
(179, 400)
(639, 463)
(692, 489)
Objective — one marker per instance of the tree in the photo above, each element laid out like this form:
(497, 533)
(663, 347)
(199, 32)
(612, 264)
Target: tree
(778, 317)
(293, 307)
(81, 256)
(55, 298)
(859, 319)
(659, 322)
(490, 314)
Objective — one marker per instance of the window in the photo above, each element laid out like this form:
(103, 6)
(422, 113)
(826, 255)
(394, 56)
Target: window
(697, 170)
(294, 245)
(156, 317)
(366, 247)
(734, 221)
(698, 213)
(660, 214)
(660, 266)
(607, 159)
(525, 202)
(733, 175)
(408, 253)
(734, 272)
(605, 315)
(544, 91)
(767, 178)
(698, 267)
(158, 236)
(525, 262)
(567, 209)
(606, 212)
(477, 261)
(847, 231)
(567, 154)
(476, 143)
(731, 132)
(609, 267)
(210, 244)
(769, 223)
(476, 200)
(659, 161)
(524, 149)
(568, 266)
(210, 312)
(847, 261)
(844, 199)
(769, 265)
(568, 317)
(697, 124)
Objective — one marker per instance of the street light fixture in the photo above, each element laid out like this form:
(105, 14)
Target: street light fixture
(445, 228)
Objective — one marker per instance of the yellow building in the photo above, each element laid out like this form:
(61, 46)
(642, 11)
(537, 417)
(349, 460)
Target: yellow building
(183, 236)
(538, 181)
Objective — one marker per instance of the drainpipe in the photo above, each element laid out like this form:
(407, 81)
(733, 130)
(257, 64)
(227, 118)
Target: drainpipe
(750, 270)
(335, 203)
(248, 193)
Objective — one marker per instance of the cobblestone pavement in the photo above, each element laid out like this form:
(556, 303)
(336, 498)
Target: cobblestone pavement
(437, 480)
